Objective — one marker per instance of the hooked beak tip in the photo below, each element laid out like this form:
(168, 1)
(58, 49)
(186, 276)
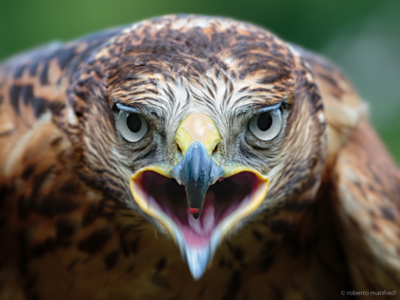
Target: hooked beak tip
(195, 212)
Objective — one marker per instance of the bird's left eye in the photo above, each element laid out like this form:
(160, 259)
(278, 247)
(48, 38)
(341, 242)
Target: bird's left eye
(267, 125)
(132, 126)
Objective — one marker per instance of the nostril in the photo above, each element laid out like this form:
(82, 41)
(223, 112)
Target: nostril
(178, 149)
(216, 149)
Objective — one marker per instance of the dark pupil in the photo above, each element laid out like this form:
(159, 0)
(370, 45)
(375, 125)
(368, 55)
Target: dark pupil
(134, 123)
(264, 121)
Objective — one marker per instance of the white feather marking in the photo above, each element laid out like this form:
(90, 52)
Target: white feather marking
(71, 117)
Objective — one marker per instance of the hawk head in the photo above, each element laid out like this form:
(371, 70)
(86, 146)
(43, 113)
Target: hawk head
(200, 124)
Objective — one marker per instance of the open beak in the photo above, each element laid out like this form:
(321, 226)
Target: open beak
(198, 201)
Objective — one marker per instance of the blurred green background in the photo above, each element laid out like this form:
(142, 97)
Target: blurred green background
(361, 36)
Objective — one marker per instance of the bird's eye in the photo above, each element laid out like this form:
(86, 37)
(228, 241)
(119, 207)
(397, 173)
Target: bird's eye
(132, 126)
(267, 125)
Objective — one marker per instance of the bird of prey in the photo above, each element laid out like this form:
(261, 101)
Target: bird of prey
(191, 157)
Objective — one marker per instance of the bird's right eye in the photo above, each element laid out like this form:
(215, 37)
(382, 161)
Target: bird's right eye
(267, 125)
(132, 126)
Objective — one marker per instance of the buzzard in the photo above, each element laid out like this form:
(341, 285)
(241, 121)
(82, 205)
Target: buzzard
(191, 157)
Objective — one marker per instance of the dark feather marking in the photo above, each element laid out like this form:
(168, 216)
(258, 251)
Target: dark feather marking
(271, 79)
(111, 259)
(65, 229)
(134, 245)
(14, 93)
(259, 90)
(30, 283)
(243, 89)
(24, 207)
(52, 205)
(39, 106)
(161, 264)
(64, 232)
(127, 215)
(257, 235)
(83, 95)
(225, 97)
(130, 269)
(326, 263)
(56, 142)
(68, 187)
(28, 171)
(222, 262)
(233, 286)
(64, 56)
(48, 245)
(217, 73)
(27, 205)
(44, 80)
(152, 91)
(388, 213)
(236, 251)
(124, 242)
(33, 68)
(201, 291)
(91, 214)
(23, 246)
(149, 154)
(246, 152)
(19, 71)
(96, 241)
(170, 94)
(266, 263)
(278, 292)
(27, 94)
(72, 264)
(298, 206)
(137, 92)
(280, 226)
(241, 99)
(160, 281)
(328, 79)
(151, 99)
(4, 191)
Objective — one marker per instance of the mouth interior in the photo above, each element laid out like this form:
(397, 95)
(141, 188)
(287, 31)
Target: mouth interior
(222, 200)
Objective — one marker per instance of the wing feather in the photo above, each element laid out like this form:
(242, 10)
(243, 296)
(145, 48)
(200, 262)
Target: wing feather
(365, 181)
(367, 185)
(34, 154)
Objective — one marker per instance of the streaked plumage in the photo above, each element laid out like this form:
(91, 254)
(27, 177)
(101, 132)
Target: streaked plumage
(70, 227)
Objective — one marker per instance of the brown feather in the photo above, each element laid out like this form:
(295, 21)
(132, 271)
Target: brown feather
(69, 227)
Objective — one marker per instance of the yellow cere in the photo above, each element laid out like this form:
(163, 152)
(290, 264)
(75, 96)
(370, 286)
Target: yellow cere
(197, 127)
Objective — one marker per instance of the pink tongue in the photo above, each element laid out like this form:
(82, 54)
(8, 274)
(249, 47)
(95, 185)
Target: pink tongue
(198, 231)
(193, 239)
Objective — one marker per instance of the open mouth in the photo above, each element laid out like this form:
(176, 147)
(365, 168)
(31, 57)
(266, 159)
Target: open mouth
(198, 199)
(226, 202)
